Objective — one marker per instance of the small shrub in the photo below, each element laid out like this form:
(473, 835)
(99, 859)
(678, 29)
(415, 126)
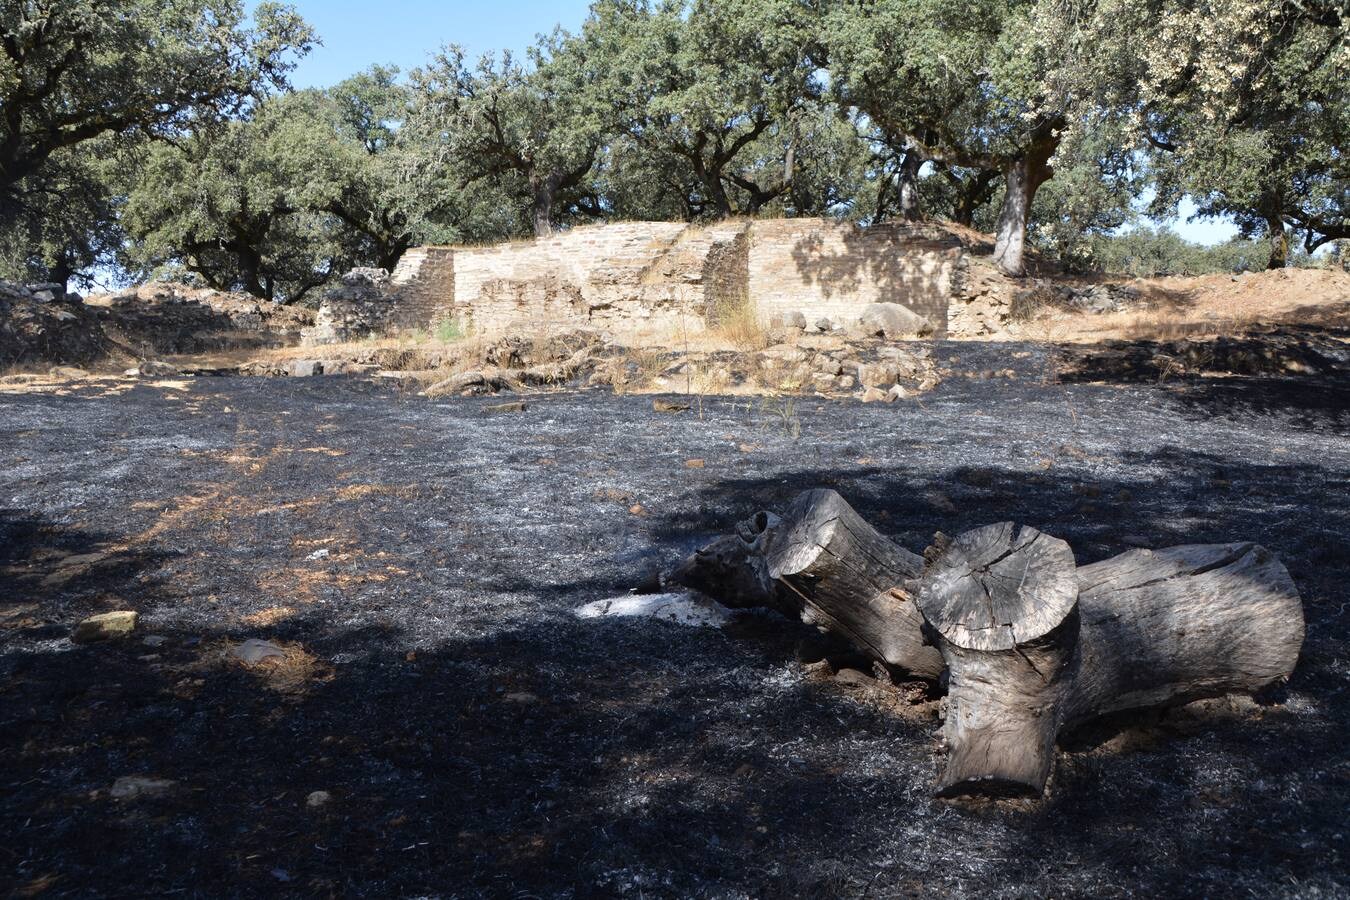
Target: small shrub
(448, 330)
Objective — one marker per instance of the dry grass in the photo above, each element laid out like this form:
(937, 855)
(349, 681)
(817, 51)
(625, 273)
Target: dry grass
(289, 673)
(1206, 306)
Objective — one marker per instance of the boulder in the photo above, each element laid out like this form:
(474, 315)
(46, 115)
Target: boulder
(305, 368)
(254, 651)
(154, 368)
(892, 321)
(878, 374)
(105, 626)
(786, 353)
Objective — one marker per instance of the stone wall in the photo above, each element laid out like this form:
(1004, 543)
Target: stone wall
(424, 281)
(596, 275)
(630, 277)
(830, 270)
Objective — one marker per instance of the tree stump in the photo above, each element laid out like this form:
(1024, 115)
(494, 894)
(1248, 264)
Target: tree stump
(1035, 646)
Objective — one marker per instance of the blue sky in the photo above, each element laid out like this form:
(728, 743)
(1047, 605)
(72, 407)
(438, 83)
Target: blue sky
(404, 33)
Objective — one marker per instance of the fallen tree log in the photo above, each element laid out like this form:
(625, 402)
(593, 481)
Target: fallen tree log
(1034, 646)
(823, 563)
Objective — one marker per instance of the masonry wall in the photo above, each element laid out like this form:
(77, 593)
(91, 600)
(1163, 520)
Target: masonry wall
(650, 276)
(425, 280)
(623, 278)
(831, 270)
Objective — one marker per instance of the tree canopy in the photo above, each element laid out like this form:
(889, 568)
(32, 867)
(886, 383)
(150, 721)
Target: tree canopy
(163, 136)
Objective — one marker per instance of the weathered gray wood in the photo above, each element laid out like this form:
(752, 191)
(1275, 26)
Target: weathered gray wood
(822, 562)
(1149, 628)
(999, 586)
(733, 571)
(852, 580)
(1175, 625)
(999, 602)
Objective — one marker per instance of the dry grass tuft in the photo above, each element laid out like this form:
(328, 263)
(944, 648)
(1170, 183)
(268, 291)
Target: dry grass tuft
(737, 322)
(292, 672)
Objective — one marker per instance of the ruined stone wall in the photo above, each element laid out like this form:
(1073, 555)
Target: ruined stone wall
(424, 281)
(631, 277)
(603, 276)
(831, 270)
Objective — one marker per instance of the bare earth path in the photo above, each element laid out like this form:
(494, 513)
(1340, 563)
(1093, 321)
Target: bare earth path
(422, 561)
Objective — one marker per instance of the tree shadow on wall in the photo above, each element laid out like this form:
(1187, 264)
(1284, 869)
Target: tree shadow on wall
(898, 263)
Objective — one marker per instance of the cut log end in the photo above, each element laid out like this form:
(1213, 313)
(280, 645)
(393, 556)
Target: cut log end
(1029, 654)
(998, 586)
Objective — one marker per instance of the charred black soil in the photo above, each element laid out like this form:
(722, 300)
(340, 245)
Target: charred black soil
(421, 560)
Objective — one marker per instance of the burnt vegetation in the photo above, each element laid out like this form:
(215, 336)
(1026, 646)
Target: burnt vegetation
(421, 561)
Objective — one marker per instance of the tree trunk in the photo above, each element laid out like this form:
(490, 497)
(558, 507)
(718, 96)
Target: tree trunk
(1035, 647)
(250, 269)
(1279, 241)
(908, 186)
(544, 189)
(1022, 178)
(62, 271)
(823, 563)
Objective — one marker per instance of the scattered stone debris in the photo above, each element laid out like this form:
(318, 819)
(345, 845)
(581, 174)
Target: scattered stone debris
(305, 368)
(1099, 298)
(154, 368)
(892, 321)
(163, 318)
(361, 305)
(105, 626)
(42, 323)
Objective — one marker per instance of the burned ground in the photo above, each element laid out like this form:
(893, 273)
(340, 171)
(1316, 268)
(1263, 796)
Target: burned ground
(476, 738)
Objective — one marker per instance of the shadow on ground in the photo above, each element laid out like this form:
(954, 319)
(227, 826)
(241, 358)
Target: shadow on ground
(478, 740)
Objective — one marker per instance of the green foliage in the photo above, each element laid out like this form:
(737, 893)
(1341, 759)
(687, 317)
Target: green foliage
(533, 131)
(1269, 149)
(448, 330)
(67, 223)
(78, 69)
(307, 186)
(1145, 252)
(716, 99)
(83, 81)
(162, 135)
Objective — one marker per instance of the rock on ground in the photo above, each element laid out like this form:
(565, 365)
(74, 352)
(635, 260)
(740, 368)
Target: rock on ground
(105, 626)
(893, 321)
